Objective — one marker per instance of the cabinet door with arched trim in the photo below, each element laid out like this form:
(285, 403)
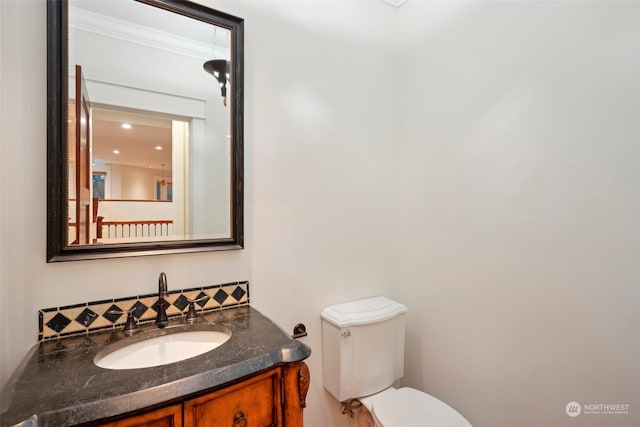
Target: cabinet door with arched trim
(253, 402)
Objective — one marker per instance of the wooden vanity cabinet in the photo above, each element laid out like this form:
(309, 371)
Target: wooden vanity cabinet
(253, 402)
(274, 398)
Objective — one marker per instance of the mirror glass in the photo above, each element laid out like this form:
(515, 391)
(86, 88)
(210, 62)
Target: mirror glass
(147, 156)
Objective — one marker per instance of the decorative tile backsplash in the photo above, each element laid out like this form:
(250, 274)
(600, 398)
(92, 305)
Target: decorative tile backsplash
(80, 319)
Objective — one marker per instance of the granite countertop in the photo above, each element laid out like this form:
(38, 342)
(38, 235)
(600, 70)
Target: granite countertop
(58, 384)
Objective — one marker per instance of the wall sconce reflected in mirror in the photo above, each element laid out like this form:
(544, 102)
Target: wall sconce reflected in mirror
(219, 68)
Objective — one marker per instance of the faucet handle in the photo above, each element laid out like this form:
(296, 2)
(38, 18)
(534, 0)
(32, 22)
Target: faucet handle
(192, 315)
(131, 326)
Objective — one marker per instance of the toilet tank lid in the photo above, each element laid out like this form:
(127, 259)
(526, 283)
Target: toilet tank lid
(362, 312)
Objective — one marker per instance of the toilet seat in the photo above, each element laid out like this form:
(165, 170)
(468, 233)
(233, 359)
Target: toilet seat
(408, 407)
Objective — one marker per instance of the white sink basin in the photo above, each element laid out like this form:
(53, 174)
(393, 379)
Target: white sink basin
(156, 350)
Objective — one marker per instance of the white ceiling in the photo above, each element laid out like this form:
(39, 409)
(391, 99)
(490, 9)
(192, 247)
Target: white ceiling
(150, 18)
(137, 146)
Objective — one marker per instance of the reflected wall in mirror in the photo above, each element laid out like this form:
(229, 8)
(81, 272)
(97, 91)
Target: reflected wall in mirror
(145, 144)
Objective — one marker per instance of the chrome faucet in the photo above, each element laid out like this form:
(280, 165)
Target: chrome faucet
(161, 318)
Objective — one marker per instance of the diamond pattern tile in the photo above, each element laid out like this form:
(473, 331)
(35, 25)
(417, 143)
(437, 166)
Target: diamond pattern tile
(238, 293)
(92, 316)
(221, 296)
(202, 299)
(139, 309)
(86, 317)
(58, 322)
(112, 317)
(181, 302)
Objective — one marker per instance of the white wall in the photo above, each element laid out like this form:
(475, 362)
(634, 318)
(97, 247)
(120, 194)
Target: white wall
(322, 110)
(520, 187)
(136, 210)
(5, 365)
(137, 183)
(484, 173)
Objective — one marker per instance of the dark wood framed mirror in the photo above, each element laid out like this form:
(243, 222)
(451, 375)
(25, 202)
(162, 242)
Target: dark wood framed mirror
(145, 129)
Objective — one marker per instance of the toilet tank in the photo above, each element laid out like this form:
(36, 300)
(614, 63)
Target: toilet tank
(362, 346)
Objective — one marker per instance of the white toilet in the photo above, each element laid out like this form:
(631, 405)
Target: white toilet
(363, 355)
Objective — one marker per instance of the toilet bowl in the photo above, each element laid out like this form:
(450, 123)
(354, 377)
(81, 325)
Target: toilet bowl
(408, 407)
(363, 356)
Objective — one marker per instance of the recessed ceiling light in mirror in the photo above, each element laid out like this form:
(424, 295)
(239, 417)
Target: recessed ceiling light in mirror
(126, 126)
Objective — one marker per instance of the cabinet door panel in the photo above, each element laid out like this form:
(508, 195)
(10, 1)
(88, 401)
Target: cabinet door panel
(165, 417)
(252, 403)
